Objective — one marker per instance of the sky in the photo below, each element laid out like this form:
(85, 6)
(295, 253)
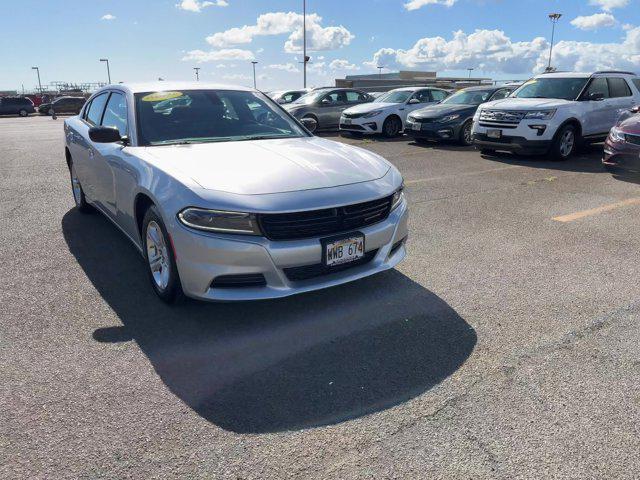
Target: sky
(150, 39)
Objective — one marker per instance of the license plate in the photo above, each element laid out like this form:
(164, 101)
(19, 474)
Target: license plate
(415, 126)
(347, 121)
(338, 251)
(494, 133)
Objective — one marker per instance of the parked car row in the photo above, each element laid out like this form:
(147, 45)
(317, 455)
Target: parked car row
(67, 105)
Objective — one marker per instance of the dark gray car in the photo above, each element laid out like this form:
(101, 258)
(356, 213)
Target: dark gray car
(326, 105)
(16, 106)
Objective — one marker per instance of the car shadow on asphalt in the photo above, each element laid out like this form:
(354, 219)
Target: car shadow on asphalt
(306, 361)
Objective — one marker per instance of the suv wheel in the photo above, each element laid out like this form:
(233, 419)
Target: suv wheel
(23, 113)
(564, 143)
(162, 269)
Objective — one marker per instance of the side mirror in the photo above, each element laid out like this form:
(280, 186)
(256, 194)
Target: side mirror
(635, 109)
(414, 101)
(281, 101)
(309, 123)
(104, 135)
(596, 96)
(325, 102)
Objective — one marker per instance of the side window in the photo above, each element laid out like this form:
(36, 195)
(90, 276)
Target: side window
(500, 94)
(334, 98)
(438, 95)
(422, 96)
(354, 97)
(597, 85)
(636, 82)
(619, 87)
(94, 114)
(289, 97)
(115, 114)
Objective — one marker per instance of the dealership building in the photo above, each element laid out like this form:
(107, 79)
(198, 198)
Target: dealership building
(407, 78)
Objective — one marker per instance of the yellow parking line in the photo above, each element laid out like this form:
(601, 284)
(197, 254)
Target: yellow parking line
(464, 174)
(595, 211)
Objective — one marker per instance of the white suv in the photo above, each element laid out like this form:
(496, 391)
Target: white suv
(553, 113)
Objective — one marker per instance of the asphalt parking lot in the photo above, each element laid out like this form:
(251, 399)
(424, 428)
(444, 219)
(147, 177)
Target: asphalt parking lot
(505, 346)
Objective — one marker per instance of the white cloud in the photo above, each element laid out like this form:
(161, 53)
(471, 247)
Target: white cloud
(280, 23)
(236, 76)
(594, 22)
(492, 51)
(416, 4)
(287, 67)
(608, 5)
(340, 64)
(108, 17)
(198, 5)
(200, 56)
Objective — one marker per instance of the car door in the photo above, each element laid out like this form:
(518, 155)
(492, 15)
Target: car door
(84, 154)
(596, 113)
(621, 99)
(109, 164)
(331, 107)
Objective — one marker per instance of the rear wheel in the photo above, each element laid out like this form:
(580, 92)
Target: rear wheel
(23, 113)
(564, 143)
(312, 129)
(391, 127)
(466, 138)
(78, 194)
(161, 262)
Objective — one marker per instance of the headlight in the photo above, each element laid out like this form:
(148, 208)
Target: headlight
(540, 114)
(398, 197)
(449, 118)
(617, 135)
(411, 119)
(220, 221)
(375, 113)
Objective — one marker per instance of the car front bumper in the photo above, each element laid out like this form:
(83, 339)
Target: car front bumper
(520, 138)
(433, 130)
(512, 144)
(202, 257)
(621, 154)
(361, 124)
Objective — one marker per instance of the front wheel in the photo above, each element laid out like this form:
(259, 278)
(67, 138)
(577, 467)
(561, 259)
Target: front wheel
(391, 127)
(312, 129)
(564, 143)
(23, 113)
(466, 137)
(161, 262)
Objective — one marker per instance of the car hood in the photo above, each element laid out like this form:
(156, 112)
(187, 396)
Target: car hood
(370, 107)
(631, 125)
(269, 166)
(436, 111)
(526, 103)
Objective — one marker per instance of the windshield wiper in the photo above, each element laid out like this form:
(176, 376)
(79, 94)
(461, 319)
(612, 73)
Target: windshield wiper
(191, 141)
(264, 137)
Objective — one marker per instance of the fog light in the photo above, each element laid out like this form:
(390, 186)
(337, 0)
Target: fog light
(372, 125)
(539, 128)
(444, 133)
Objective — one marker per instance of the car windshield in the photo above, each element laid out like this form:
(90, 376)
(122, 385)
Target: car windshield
(199, 116)
(564, 88)
(468, 97)
(310, 98)
(399, 96)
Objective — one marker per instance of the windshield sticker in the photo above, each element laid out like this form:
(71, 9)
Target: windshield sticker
(161, 96)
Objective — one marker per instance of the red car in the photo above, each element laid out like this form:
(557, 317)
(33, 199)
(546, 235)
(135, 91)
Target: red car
(622, 146)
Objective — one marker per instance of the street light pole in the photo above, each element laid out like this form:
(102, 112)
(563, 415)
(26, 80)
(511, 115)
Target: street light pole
(197, 69)
(379, 67)
(470, 70)
(554, 17)
(108, 70)
(304, 41)
(39, 82)
(254, 73)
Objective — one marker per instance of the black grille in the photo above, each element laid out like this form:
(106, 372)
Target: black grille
(306, 272)
(344, 126)
(635, 139)
(316, 223)
(352, 115)
(239, 281)
(423, 120)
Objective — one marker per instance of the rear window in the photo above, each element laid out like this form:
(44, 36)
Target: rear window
(618, 87)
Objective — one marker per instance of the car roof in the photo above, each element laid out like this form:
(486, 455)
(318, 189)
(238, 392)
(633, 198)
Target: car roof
(167, 86)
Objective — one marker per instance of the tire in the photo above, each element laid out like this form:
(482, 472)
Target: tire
(78, 193)
(23, 113)
(564, 143)
(161, 262)
(317, 123)
(465, 137)
(421, 141)
(391, 127)
(487, 151)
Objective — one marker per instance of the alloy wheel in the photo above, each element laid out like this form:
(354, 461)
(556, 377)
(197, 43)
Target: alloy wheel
(75, 187)
(157, 255)
(566, 143)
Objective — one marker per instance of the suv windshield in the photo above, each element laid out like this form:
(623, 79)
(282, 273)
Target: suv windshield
(400, 96)
(468, 97)
(564, 88)
(199, 116)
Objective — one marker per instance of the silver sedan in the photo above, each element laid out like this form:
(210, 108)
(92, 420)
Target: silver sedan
(228, 197)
